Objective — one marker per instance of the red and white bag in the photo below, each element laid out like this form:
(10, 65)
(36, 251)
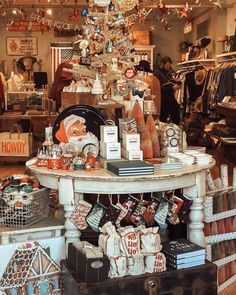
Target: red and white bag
(155, 263)
(150, 240)
(118, 267)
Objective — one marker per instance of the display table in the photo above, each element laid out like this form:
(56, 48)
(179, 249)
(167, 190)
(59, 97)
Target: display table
(73, 185)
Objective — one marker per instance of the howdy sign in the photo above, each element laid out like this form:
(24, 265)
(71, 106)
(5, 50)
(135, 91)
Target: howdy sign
(15, 144)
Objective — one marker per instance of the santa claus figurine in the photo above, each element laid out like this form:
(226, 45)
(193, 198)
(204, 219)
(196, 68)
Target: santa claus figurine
(72, 129)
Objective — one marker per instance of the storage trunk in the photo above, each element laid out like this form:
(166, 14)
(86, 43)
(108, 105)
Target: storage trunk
(197, 281)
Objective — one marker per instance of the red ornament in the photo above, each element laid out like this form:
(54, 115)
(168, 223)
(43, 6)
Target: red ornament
(164, 10)
(183, 13)
(75, 15)
(141, 18)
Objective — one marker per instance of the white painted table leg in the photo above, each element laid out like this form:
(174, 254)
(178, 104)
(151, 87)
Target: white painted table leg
(67, 198)
(72, 234)
(197, 194)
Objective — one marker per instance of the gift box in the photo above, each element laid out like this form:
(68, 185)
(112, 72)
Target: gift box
(109, 133)
(132, 155)
(131, 142)
(110, 150)
(90, 270)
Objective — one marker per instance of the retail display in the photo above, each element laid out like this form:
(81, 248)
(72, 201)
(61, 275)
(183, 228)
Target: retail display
(126, 181)
(219, 229)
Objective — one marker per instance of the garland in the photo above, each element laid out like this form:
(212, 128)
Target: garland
(53, 23)
(143, 13)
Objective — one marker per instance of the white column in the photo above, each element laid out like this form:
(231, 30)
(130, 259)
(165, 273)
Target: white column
(197, 194)
(67, 198)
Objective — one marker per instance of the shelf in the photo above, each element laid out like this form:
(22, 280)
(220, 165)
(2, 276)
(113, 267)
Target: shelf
(225, 260)
(220, 238)
(214, 217)
(227, 283)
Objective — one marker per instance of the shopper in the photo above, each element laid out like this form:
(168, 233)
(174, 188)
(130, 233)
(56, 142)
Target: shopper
(169, 105)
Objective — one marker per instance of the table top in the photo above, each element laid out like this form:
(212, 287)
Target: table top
(104, 175)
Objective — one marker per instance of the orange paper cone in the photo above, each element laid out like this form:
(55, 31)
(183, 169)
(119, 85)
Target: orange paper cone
(154, 136)
(221, 226)
(207, 229)
(228, 225)
(146, 144)
(214, 230)
(137, 114)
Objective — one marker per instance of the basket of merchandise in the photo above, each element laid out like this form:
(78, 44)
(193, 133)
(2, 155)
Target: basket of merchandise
(22, 201)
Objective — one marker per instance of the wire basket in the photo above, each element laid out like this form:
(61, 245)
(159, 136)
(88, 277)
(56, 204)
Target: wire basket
(22, 210)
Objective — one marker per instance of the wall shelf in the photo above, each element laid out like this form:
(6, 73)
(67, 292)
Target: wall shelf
(220, 238)
(227, 283)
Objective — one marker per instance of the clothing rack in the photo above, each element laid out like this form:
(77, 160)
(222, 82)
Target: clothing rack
(196, 62)
(226, 57)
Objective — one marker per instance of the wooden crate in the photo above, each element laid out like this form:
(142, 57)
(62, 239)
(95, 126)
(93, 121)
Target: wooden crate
(73, 98)
(142, 37)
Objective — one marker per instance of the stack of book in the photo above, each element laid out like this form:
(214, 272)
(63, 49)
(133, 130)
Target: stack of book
(165, 164)
(183, 254)
(129, 168)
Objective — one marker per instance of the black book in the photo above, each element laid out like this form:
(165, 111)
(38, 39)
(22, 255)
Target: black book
(182, 248)
(132, 167)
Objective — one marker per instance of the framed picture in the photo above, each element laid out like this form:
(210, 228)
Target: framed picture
(22, 46)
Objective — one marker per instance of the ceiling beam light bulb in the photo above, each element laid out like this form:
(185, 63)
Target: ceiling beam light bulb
(49, 11)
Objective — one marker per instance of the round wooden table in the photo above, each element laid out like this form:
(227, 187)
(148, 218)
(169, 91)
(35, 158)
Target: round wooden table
(73, 185)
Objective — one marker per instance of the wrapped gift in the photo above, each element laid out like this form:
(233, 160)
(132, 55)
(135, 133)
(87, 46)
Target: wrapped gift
(88, 262)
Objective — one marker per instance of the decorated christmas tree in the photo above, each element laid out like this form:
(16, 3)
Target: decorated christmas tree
(104, 48)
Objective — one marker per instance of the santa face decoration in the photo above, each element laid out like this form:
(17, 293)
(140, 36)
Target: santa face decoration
(73, 129)
(130, 73)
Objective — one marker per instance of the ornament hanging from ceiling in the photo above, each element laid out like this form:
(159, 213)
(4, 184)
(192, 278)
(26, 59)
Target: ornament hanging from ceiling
(75, 15)
(126, 5)
(164, 10)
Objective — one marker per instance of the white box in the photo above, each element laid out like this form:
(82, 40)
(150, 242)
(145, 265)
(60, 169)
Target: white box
(109, 133)
(132, 155)
(131, 141)
(110, 150)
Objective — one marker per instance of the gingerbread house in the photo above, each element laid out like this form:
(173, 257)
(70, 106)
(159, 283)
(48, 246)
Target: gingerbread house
(30, 271)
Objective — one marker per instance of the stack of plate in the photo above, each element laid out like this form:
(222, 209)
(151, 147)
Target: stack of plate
(203, 159)
(184, 158)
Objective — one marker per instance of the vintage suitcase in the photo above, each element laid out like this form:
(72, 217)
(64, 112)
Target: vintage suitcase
(201, 280)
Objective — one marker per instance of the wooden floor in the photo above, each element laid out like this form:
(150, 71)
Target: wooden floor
(11, 168)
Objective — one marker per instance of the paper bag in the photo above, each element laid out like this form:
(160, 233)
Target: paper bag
(15, 144)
